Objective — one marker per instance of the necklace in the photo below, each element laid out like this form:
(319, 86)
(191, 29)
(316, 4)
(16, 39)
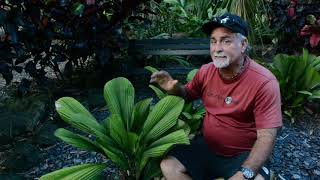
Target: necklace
(235, 75)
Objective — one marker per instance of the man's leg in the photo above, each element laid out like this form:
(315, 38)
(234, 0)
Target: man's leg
(172, 169)
(187, 161)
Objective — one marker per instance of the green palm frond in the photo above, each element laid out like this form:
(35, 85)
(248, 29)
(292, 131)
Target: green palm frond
(162, 117)
(81, 172)
(140, 114)
(160, 94)
(151, 69)
(119, 95)
(78, 141)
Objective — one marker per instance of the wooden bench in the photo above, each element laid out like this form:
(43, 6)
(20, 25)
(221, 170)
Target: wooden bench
(190, 46)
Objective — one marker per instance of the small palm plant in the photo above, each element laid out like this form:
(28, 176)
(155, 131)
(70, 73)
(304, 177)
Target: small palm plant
(299, 80)
(133, 136)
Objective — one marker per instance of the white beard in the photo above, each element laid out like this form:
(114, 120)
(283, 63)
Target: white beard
(220, 62)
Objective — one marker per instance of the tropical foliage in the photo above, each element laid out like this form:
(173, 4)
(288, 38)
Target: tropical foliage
(299, 80)
(192, 115)
(37, 36)
(173, 18)
(133, 136)
(293, 23)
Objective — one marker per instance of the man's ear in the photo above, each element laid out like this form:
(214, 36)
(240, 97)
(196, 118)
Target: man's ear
(244, 45)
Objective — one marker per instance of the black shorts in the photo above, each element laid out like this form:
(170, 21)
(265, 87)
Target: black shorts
(203, 164)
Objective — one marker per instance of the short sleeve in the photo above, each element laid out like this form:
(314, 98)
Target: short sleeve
(195, 86)
(267, 109)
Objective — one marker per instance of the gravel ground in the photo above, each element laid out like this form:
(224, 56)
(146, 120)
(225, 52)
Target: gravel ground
(297, 151)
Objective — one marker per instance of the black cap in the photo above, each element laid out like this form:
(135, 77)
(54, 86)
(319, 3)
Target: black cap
(230, 21)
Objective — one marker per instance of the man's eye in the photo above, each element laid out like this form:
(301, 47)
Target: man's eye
(213, 42)
(226, 41)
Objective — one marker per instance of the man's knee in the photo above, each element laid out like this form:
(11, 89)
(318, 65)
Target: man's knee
(259, 177)
(171, 165)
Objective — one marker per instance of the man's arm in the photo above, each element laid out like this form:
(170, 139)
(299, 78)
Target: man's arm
(262, 149)
(260, 152)
(178, 90)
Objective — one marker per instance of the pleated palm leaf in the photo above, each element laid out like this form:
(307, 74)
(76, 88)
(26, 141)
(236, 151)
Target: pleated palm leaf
(134, 137)
(191, 116)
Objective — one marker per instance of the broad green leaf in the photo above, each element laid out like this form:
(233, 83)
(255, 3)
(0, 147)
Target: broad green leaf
(72, 112)
(81, 172)
(151, 169)
(191, 74)
(106, 124)
(118, 158)
(86, 125)
(158, 92)
(315, 95)
(140, 113)
(68, 105)
(187, 107)
(183, 125)
(317, 67)
(78, 141)
(305, 55)
(298, 69)
(151, 69)
(133, 142)
(282, 63)
(187, 115)
(154, 152)
(177, 137)
(311, 78)
(305, 92)
(316, 63)
(163, 116)
(119, 95)
(118, 131)
(174, 2)
(200, 111)
(109, 146)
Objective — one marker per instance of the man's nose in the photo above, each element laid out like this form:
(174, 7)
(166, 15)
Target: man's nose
(217, 47)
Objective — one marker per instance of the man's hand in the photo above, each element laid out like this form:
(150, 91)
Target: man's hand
(164, 80)
(237, 176)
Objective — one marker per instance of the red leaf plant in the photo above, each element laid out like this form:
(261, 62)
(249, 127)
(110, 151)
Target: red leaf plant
(292, 8)
(313, 31)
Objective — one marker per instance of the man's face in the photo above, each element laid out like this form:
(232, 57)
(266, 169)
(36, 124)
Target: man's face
(226, 47)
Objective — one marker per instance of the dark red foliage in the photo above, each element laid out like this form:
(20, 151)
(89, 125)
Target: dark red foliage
(84, 28)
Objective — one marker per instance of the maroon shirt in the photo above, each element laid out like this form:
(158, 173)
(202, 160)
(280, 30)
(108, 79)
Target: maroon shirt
(236, 108)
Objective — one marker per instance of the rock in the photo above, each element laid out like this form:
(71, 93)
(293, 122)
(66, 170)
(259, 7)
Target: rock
(296, 161)
(296, 154)
(296, 176)
(77, 161)
(309, 164)
(316, 172)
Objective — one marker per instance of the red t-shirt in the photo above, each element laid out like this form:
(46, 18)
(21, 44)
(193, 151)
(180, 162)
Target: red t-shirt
(236, 108)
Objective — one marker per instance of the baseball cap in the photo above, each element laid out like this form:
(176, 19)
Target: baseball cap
(230, 21)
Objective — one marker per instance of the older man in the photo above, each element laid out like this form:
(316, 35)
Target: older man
(243, 110)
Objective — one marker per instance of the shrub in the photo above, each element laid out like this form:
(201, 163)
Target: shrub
(133, 136)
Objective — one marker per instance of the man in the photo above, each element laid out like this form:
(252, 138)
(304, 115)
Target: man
(243, 110)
